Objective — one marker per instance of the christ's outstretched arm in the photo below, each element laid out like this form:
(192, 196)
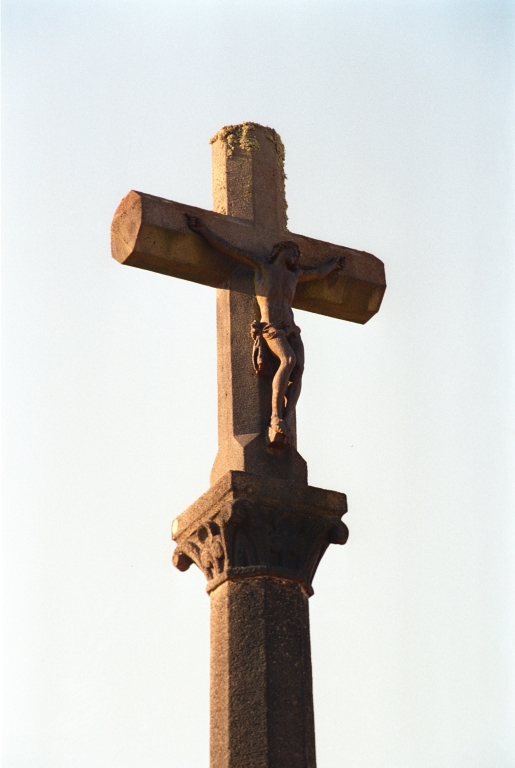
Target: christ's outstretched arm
(197, 225)
(317, 273)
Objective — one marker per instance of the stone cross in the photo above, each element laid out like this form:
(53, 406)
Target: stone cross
(260, 531)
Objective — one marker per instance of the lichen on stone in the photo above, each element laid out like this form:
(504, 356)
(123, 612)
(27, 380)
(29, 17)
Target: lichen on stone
(237, 135)
(274, 137)
(242, 136)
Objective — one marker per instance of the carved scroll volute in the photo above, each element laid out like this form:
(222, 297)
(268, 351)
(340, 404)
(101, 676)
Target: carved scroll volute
(334, 531)
(206, 549)
(236, 537)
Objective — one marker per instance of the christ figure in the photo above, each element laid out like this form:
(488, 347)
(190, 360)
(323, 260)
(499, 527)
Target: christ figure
(275, 283)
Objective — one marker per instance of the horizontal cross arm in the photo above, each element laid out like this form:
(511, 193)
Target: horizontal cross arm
(355, 293)
(151, 233)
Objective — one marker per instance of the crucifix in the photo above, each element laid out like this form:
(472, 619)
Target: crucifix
(260, 531)
(275, 283)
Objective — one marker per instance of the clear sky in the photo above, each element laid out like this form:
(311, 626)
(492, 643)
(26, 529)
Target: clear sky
(398, 123)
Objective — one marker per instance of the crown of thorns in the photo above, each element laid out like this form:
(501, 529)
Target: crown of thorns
(282, 246)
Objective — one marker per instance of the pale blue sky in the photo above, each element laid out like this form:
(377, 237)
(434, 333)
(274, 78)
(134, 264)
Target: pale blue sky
(398, 124)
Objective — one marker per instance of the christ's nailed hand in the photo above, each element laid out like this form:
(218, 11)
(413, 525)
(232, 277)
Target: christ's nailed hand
(194, 223)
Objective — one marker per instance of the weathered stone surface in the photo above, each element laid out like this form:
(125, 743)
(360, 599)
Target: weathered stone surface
(261, 683)
(248, 176)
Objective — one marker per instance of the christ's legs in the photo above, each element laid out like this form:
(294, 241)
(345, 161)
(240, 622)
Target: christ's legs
(287, 362)
(293, 391)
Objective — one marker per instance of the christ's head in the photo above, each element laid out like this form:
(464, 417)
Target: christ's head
(289, 249)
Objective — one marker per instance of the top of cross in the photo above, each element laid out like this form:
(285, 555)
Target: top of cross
(248, 175)
(250, 211)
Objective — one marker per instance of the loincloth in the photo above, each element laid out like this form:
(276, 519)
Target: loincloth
(262, 357)
(273, 330)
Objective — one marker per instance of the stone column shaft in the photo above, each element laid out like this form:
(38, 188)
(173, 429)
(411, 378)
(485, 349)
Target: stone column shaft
(261, 685)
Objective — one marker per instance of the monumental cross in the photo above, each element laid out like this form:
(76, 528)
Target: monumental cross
(260, 531)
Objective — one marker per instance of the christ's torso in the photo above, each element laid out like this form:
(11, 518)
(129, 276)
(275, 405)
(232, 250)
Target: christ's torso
(275, 290)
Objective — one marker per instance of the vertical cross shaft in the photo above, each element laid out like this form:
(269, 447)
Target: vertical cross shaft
(248, 183)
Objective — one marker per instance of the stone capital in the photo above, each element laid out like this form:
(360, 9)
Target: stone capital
(247, 526)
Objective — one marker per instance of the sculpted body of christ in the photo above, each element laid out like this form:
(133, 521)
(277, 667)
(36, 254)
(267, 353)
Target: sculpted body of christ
(275, 282)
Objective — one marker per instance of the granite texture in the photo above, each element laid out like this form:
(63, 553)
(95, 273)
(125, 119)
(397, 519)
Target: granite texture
(261, 682)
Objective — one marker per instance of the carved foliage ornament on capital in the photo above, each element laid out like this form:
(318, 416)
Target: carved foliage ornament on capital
(245, 539)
